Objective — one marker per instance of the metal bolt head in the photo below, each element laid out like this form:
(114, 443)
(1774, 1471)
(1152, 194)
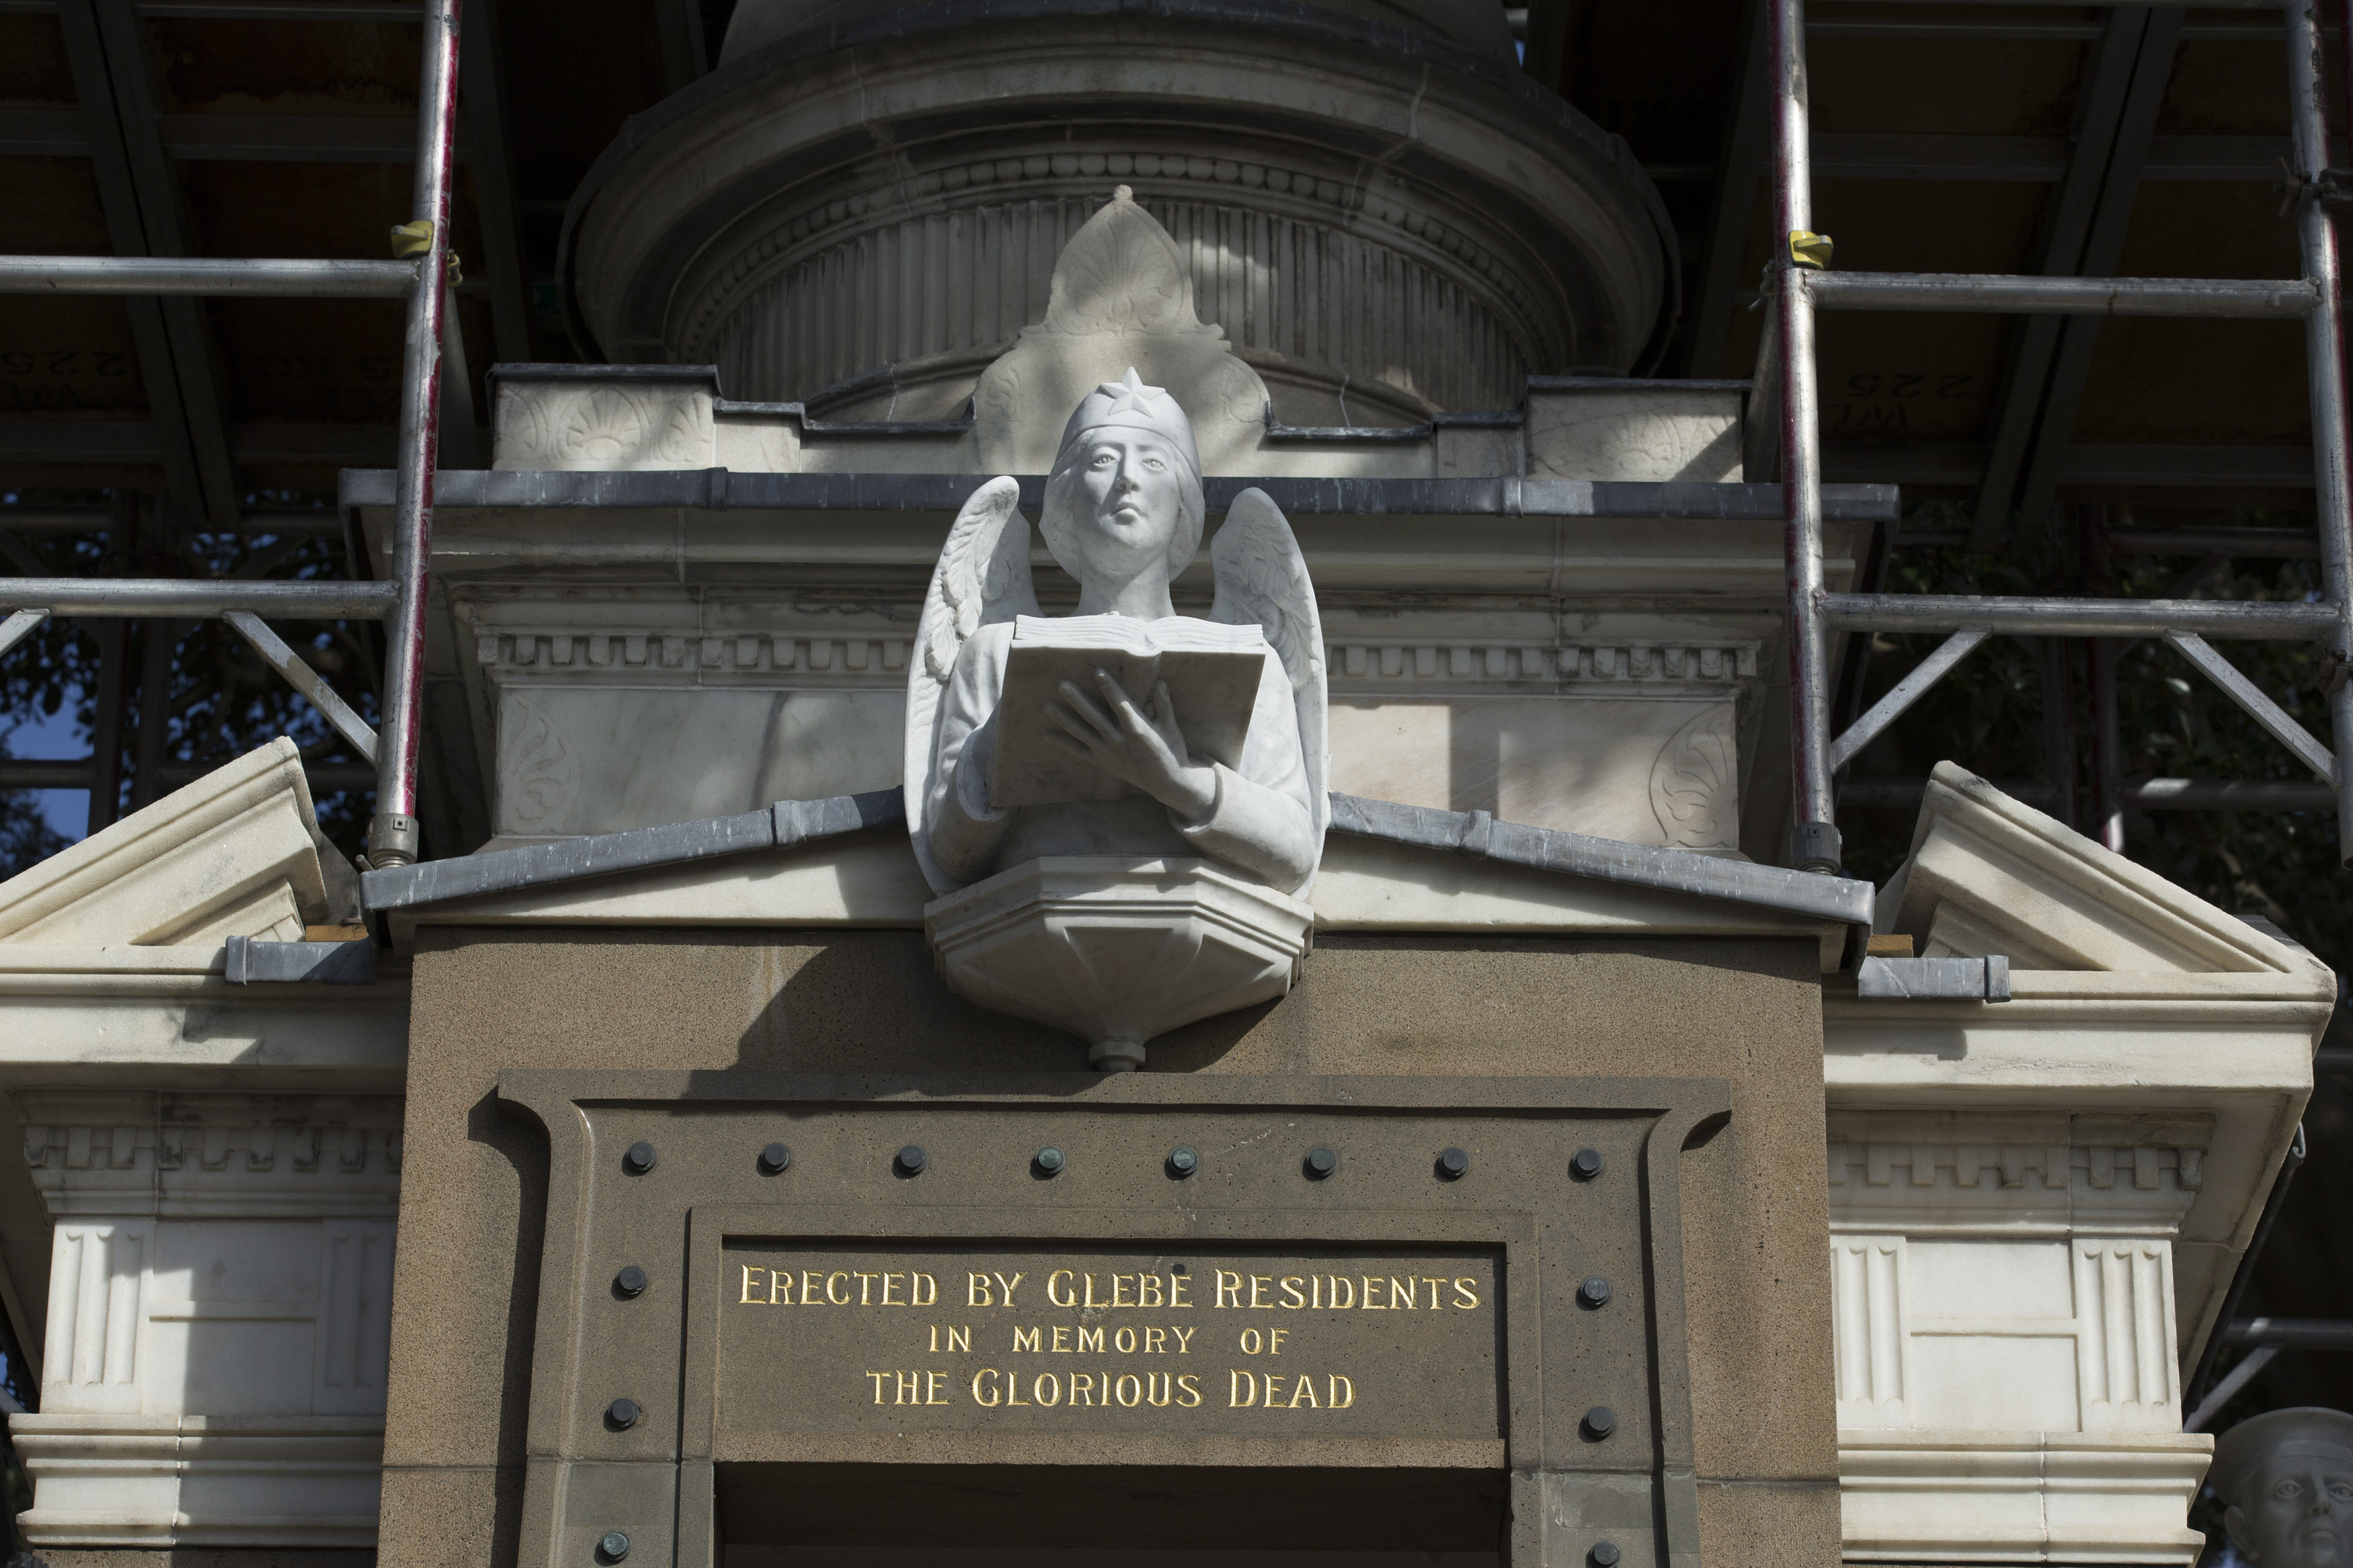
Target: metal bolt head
(1322, 1162)
(911, 1160)
(1600, 1421)
(775, 1158)
(1183, 1161)
(622, 1412)
(639, 1159)
(1586, 1163)
(1604, 1554)
(1594, 1292)
(614, 1545)
(1452, 1163)
(630, 1281)
(1048, 1160)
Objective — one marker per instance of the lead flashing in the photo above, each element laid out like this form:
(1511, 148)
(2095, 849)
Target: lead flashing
(779, 826)
(721, 490)
(1804, 895)
(1479, 835)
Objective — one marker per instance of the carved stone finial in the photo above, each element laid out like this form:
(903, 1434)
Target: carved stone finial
(1121, 304)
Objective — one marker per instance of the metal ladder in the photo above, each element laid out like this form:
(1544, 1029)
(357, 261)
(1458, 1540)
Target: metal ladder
(421, 280)
(1799, 282)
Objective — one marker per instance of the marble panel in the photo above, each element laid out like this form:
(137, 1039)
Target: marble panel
(219, 1314)
(1995, 1278)
(216, 1361)
(603, 759)
(1662, 773)
(1994, 1383)
(1632, 430)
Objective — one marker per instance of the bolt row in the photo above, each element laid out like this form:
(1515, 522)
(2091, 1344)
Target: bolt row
(1451, 1164)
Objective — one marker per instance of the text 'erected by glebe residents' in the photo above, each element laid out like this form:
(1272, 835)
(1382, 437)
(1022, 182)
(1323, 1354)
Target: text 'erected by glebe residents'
(994, 1337)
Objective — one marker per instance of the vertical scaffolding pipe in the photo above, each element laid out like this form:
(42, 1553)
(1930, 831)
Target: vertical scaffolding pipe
(2108, 824)
(158, 638)
(2324, 351)
(1814, 837)
(2058, 724)
(393, 836)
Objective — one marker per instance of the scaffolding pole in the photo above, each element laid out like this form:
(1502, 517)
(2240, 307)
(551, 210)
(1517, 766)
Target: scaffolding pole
(393, 838)
(157, 275)
(1798, 283)
(2323, 350)
(2010, 294)
(91, 597)
(2278, 620)
(1814, 837)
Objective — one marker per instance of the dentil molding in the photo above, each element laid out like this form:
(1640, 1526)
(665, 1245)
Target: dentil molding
(212, 1155)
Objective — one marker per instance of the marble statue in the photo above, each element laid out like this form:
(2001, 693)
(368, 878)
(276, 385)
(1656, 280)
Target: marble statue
(1122, 514)
(2287, 1476)
(1118, 862)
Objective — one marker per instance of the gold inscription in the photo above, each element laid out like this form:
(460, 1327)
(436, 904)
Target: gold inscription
(1284, 1391)
(1097, 1376)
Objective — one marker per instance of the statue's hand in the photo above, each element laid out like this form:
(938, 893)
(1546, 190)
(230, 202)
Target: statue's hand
(1146, 751)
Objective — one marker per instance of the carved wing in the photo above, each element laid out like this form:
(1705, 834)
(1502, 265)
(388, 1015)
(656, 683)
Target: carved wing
(1262, 581)
(983, 577)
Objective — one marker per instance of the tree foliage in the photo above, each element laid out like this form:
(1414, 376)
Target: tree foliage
(221, 698)
(1987, 715)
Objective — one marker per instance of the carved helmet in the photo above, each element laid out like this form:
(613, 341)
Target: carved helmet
(2307, 1432)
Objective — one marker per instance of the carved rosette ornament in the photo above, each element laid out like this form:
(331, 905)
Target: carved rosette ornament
(1120, 808)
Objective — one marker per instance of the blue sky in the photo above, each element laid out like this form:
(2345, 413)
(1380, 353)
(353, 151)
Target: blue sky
(46, 738)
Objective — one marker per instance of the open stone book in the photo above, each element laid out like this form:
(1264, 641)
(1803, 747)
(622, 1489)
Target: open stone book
(1212, 671)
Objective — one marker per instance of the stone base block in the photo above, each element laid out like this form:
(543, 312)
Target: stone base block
(1117, 950)
(162, 1480)
(2021, 1497)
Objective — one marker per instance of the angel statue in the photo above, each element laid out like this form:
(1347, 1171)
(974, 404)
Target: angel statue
(1023, 740)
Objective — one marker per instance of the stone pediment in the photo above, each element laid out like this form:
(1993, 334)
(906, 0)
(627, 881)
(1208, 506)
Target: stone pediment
(1988, 874)
(236, 852)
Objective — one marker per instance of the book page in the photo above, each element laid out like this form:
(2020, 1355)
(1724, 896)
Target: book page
(1213, 685)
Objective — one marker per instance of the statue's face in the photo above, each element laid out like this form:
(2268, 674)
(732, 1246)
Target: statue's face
(1132, 483)
(2299, 1514)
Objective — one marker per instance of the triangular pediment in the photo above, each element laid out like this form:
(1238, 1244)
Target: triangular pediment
(1989, 875)
(236, 852)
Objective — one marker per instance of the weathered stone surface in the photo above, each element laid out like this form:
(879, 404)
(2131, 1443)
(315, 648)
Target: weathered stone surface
(1118, 951)
(868, 1002)
(2037, 1205)
(235, 851)
(222, 1284)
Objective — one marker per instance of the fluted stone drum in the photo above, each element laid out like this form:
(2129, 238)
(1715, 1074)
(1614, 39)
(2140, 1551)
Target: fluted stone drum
(860, 214)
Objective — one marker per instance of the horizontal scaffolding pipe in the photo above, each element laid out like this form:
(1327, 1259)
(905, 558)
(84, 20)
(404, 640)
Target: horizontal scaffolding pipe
(2151, 795)
(1905, 794)
(88, 598)
(2289, 297)
(164, 274)
(2291, 1333)
(2285, 620)
(74, 773)
(2283, 544)
(321, 522)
